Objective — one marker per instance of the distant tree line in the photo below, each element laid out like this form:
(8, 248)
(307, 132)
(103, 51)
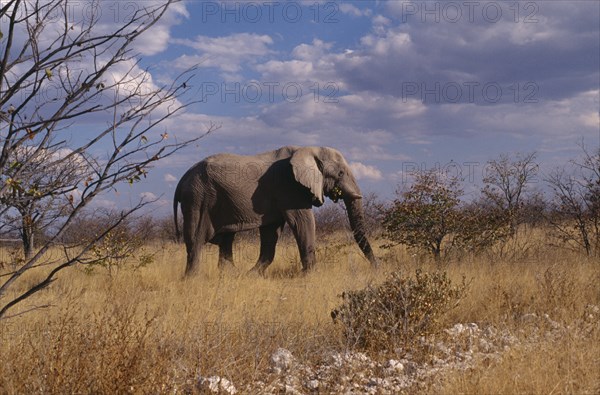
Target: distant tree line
(431, 214)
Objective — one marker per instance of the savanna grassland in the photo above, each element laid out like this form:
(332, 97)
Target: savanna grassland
(150, 331)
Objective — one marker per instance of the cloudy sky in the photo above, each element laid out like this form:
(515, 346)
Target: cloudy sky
(394, 85)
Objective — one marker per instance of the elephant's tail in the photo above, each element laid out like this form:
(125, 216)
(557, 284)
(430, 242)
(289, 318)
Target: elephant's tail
(175, 203)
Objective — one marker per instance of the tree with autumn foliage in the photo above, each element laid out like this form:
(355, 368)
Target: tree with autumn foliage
(39, 194)
(424, 216)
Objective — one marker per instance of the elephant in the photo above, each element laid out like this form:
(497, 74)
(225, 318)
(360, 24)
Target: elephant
(227, 193)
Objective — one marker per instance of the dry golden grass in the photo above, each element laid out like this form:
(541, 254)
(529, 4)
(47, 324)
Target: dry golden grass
(152, 331)
(567, 366)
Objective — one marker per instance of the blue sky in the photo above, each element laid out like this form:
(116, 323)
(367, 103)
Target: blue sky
(394, 85)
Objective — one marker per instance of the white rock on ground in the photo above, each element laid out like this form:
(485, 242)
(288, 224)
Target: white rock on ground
(394, 366)
(355, 372)
(282, 360)
(216, 384)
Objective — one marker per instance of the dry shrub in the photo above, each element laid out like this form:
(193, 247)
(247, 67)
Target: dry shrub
(397, 311)
(556, 287)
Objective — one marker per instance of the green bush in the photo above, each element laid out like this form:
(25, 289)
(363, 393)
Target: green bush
(398, 311)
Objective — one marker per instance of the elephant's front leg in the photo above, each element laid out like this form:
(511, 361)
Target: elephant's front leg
(302, 223)
(226, 250)
(269, 234)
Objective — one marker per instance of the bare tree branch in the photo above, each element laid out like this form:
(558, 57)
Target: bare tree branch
(58, 75)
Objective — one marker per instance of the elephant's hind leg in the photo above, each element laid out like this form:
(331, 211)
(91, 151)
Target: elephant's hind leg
(269, 234)
(226, 250)
(196, 232)
(191, 218)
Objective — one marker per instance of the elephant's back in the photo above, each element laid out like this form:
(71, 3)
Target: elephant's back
(264, 157)
(234, 170)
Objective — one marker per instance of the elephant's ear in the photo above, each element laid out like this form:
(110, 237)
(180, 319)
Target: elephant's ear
(307, 172)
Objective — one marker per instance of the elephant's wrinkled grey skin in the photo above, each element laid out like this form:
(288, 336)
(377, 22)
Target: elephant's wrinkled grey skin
(225, 193)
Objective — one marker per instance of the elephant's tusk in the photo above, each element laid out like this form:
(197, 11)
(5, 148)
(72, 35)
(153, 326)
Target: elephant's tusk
(353, 196)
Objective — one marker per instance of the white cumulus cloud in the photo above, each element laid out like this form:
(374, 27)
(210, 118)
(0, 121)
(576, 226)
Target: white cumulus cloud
(170, 178)
(365, 172)
(148, 196)
(227, 53)
(350, 9)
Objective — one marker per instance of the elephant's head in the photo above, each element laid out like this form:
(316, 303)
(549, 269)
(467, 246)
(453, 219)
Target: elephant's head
(325, 172)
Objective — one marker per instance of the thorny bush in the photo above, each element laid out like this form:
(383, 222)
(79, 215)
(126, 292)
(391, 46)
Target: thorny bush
(117, 250)
(398, 311)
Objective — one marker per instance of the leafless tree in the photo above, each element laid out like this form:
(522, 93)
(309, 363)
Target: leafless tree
(508, 183)
(575, 214)
(71, 83)
(164, 230)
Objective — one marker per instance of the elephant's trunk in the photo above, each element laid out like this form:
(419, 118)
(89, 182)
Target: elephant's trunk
(356, 216)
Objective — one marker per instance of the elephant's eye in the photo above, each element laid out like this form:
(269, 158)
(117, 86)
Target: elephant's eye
(341, 174)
